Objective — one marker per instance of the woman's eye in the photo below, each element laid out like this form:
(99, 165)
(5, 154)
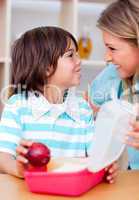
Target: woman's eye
(112, 49)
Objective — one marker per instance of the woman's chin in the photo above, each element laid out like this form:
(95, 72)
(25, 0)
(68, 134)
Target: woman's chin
(123, 75)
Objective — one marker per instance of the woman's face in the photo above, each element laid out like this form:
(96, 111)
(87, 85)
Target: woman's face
(121, 53)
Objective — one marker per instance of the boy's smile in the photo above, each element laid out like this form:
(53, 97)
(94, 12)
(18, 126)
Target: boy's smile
(68, 72)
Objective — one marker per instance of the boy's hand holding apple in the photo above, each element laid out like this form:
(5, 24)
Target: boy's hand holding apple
(31, 156)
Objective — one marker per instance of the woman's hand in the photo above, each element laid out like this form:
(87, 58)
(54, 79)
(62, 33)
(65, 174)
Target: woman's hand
(132, 137)
(21, 160)
(112, 172)
(93, 106)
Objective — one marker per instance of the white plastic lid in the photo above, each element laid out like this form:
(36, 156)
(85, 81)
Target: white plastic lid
(111, 126)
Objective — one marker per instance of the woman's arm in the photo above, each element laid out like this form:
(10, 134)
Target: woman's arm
(94, 108)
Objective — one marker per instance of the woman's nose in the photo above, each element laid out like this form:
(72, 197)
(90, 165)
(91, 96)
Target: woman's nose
(108, 57)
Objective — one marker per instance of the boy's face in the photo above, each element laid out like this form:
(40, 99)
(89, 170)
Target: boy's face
(68, 72)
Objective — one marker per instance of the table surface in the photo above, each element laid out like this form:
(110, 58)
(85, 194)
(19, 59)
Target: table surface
(125, 188)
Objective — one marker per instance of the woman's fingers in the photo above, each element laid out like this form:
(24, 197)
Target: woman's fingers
(93, 106)
(135, 125)
(132, 139)
(85, 95)
(133, 144)
(133, 135)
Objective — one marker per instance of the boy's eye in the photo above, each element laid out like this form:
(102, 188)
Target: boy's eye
(70, 55)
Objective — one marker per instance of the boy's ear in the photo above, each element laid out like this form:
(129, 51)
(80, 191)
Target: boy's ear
(49, 70)
(47, 73)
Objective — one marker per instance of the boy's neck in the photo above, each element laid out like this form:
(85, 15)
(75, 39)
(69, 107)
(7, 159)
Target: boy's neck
(54, 94)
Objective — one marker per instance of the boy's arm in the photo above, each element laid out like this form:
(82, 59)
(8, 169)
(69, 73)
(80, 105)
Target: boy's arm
(9, 165)
(10, 136)
(15, 166)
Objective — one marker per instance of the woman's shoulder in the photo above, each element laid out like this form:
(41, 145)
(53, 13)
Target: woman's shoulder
(101, 86)
(106, 79)
(108, 73)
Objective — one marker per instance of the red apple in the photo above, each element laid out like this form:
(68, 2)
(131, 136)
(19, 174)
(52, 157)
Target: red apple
(38, 154)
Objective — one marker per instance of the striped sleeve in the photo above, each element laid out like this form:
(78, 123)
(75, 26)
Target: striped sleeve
(10, 129)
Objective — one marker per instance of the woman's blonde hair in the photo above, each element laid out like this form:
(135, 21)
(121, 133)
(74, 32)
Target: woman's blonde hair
(121, 19)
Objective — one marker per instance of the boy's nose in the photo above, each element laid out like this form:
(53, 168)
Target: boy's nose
(78, 60)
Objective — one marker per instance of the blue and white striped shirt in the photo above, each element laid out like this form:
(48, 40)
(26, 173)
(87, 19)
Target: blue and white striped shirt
(67, 129)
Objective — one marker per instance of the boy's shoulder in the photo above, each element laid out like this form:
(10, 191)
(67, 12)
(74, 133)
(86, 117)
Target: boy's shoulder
(16, 102)
(16, 98)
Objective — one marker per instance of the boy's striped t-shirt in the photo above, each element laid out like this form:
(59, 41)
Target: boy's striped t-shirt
(67, 129)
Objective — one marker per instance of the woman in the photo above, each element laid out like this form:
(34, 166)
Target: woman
(119, 23)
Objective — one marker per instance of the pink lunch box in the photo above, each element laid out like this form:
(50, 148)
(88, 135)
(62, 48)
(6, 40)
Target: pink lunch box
(67, 183)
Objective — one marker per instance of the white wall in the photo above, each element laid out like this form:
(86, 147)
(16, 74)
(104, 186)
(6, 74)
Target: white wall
(88, 15)
(26, 17)
(48, 13)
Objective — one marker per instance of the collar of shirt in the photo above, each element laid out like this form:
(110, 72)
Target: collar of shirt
(40, 106)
